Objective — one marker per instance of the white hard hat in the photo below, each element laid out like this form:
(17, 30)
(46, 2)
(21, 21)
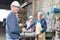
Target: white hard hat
(30, 16)
(40, 13)
(15, 3)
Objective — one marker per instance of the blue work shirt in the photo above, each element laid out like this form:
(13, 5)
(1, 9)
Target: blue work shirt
(12, 29)
(43, 25)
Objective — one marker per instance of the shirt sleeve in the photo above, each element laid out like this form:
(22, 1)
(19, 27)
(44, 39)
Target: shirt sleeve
(44, 26)
(31, 25)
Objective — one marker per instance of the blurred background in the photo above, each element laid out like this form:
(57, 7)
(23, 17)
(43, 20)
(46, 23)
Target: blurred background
(50, 8)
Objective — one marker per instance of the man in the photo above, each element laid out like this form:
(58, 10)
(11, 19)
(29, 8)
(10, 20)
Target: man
(40, 26)
(12, 29)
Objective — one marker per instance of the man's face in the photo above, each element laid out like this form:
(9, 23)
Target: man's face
(40, 16)
(31, 19)
(15, 9)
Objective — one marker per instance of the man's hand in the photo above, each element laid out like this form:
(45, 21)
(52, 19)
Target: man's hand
(24, 30)
(20, 25)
